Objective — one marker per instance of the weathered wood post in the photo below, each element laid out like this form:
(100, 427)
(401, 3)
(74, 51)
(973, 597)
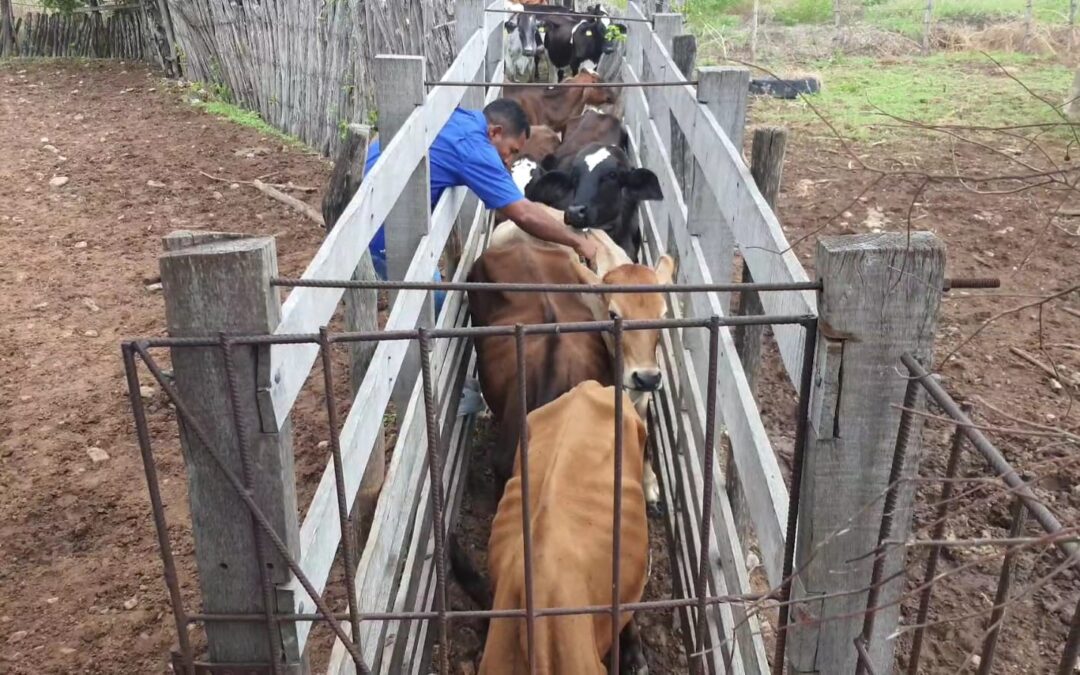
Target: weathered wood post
(723, 90)
(213, 283)
(666, 27)
(684, 53)
(766, 166)
(469, 16)
(399, 90)
(880, 299)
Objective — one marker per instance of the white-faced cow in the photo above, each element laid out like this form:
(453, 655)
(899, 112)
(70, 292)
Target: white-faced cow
(598, 189)
(523, 47)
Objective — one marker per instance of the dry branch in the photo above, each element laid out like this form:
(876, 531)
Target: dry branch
(289, 201)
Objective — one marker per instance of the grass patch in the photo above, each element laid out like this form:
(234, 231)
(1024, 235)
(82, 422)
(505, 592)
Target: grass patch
(942, 89)
(247, 118)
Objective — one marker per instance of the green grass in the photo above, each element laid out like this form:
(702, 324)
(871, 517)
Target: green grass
(964, 88)
(248, 118)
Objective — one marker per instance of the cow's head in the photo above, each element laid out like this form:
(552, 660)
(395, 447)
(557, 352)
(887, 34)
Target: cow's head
(641, 372)
(593, 36)
(598, 190)
(528, 29)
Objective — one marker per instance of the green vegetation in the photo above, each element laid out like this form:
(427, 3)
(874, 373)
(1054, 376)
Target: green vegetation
(247, 118)
(953, 88)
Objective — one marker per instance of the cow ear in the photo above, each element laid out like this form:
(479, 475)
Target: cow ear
(555, 189)
(641, 184)
(510, 26)
(549, 162)
(665, 269)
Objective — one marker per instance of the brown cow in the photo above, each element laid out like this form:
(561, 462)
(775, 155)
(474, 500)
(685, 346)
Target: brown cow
(556, 363)
(571, 496)
(590, 127)
(555, 106)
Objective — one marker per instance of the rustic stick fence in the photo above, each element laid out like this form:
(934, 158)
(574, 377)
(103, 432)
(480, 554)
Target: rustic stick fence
(876, 299)
(110, 33)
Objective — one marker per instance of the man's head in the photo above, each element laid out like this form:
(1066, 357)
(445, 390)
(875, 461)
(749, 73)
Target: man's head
(508, 128)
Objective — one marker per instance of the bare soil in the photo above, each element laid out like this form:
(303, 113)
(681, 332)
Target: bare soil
(81, 581)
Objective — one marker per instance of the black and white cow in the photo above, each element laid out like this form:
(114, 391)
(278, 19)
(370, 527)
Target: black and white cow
(579, 40)
(599, 189)
(523, 48)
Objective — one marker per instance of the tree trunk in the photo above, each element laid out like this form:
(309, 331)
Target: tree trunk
(928, 20)
(7, 29)
(754, 19)
(1072, 101)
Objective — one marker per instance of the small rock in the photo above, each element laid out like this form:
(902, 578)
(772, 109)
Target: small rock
(154, 288)
(79, 117)
(155, 184)
(217, 195)
(80, 244)
(26, 399)
(252, 152)
(51, 148)
(59, 181)
(234, 186)
(131, 603)
(17, 636)
(52, 601)
(1055, 385)
(91, 305)
(147, 392)
(976, 660)
(44, 139)
(41, 305)
(91, 333)
(97, 455)
(67, 651)
(322, 445)
(752, 562)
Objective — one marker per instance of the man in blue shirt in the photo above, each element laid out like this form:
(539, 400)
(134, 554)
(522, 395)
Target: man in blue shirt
(475, 149)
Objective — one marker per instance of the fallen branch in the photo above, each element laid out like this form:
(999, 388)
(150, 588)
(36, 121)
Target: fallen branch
(1070, 310)
(1034, 361)
(288, 200)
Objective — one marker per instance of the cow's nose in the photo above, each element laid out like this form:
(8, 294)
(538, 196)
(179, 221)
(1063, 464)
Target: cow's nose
(575, 215)
(648, 379)
(528, 52)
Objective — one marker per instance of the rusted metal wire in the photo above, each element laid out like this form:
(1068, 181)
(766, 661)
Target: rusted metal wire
(903, 439)
(348, 542)
(991, 454)
(1001, 597)
(971, 283)
(502, 287)
(435, 468)
(192, 424)
(709, 459)
(802, 431)
(938, 532)
(142, 432)
(482, 331)
(248, 473)
(578, 15)
(526, 507)
(616, 519)
(1072, 645)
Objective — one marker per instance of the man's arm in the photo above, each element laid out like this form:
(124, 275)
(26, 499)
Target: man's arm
(537, 221)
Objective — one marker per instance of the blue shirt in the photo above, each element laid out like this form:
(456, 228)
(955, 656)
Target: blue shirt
(462, 154)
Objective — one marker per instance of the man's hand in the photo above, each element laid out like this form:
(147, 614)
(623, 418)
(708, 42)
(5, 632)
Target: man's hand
(586, 248)
(537, 220)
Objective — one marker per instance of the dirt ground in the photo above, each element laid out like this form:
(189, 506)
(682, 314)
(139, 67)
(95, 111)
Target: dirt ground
(79, 568)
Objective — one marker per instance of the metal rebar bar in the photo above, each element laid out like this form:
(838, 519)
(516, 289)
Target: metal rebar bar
(802, 430)
(1071, 653)
(526, 509)
(708, 461)
(578, 15)
(172, 582)
(481, 331)
(247, 471)
(347, 543)
(562, 85)
(940, 513)
(864, 661)
(971, 282)
(515, 287)
(991, 454)
(192, 423)
(616, 518)
(997, 615)
(435, 468)
(892, 493)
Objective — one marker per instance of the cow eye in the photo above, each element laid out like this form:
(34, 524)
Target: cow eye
(614, 315)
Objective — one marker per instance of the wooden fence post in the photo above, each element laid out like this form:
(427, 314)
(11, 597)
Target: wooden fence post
(666, 27)
(399, 90)
(766, 166)
(724, 91)
(684, 53)
(880, 299)
(469, 17)
(215, 283)
(7, 29)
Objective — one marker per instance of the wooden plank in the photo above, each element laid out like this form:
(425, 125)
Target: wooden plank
(217, 284)
(753, 224)
(684, 54)
(321, 530)
(306, 309)
(665, 28)
(881, 298)
(377, 573)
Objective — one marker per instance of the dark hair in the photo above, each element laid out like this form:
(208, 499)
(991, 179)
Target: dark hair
(508, 114)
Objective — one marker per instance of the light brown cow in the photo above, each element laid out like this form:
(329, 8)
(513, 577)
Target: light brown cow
(571, 496)
(556, 363)
(554, 106)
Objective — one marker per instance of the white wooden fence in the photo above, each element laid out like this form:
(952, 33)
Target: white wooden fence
(722, 214)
